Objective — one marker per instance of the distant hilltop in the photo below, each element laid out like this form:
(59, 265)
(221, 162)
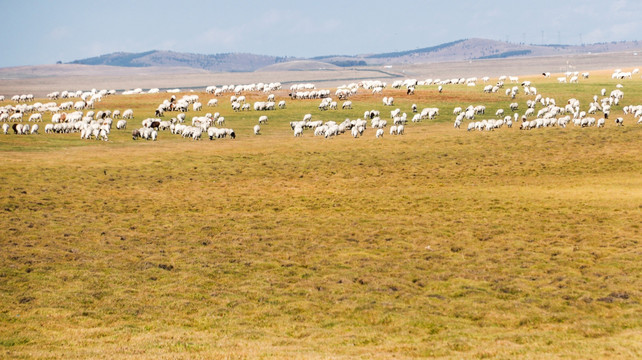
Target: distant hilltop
(465, 49)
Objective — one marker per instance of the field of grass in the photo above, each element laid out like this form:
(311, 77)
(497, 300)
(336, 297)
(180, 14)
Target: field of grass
(438, 243)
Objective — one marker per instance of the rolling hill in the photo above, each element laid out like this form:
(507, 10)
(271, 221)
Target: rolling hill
(464, 49)
(217, 62)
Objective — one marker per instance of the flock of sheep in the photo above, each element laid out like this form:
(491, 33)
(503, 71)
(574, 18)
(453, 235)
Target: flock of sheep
(75, 111)
(550, 114)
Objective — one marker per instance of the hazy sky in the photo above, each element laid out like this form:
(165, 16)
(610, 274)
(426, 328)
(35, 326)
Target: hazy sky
(43, 32)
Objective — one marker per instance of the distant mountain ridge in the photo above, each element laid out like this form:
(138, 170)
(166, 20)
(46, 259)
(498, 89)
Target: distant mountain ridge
(218, 62)
(459, 50)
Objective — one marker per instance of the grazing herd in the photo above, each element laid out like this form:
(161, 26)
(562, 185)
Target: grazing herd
(549, 113)
(75, 112)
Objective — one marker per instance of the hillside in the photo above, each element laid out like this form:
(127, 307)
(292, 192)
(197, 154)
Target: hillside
(480, 49)
(217, 62)
(460, 50)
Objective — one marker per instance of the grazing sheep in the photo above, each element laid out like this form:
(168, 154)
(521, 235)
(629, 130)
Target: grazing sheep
(379, 133)
(257, 130)
(5, 128)
(16, 117)
(618, 121)
(212, 133)
(128, 114)
(263, 119)
(600, 122)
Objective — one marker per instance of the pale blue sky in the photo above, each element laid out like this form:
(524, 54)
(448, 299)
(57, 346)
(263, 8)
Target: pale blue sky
(43, 32)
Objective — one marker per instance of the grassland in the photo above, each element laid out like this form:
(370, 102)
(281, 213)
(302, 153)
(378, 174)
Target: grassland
(439, 243)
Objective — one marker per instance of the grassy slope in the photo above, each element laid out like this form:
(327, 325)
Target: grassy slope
(438, 243)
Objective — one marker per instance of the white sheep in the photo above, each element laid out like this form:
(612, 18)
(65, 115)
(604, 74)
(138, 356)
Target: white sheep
(379, 133)
(257, 130)
(600, 122)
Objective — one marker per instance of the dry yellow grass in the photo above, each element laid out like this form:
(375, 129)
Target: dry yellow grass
(439, 243)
